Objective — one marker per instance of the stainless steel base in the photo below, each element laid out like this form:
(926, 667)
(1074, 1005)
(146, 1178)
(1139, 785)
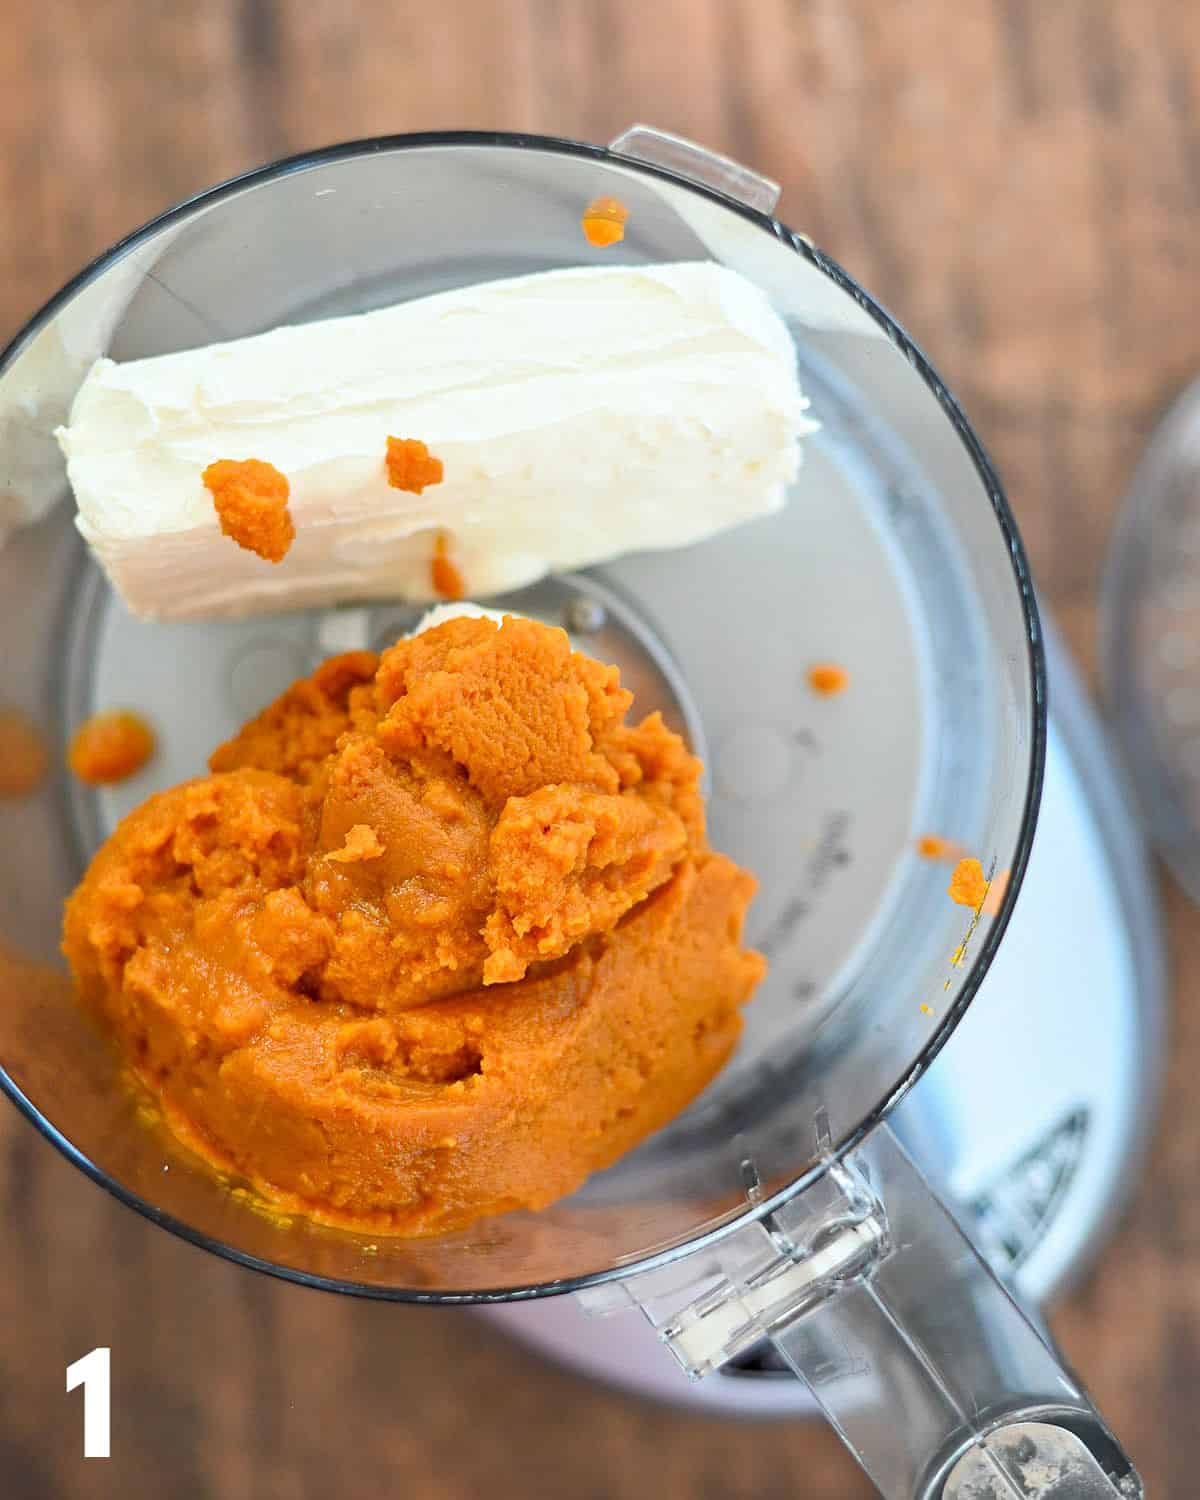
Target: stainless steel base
(1073, 1007)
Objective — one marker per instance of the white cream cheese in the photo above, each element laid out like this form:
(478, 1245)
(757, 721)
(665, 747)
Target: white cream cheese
(463, 610)
(580, 414)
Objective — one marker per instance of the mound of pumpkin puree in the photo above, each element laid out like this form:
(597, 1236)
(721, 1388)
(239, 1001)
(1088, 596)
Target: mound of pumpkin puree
(439, 936)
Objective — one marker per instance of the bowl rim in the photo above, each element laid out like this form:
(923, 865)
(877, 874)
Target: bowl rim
(187, 209)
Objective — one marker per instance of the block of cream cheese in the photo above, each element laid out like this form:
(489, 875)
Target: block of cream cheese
(579, 414)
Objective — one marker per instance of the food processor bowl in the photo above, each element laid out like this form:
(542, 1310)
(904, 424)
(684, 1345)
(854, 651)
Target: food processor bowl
(779, 1197)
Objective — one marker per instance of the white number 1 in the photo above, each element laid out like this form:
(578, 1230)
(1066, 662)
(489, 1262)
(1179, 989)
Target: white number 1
(92, 1373)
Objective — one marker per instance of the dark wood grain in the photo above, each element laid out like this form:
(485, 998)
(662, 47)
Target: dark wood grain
(1020, 183)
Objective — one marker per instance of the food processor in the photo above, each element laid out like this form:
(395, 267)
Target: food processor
(925, 1131)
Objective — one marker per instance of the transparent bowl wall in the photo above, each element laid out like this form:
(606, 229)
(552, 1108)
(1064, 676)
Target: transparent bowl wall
(896, 557)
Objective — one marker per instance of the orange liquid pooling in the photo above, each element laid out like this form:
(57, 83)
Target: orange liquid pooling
(604, 221)
(23, 755)
(251, 498)
(439, 936)
(109, 747)
(968, 885)
(411, 466)
(827, 679)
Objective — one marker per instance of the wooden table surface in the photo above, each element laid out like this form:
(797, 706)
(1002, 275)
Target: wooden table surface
(1020, 183)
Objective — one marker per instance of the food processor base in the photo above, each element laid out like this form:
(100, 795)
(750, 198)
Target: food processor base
(1073, 1008)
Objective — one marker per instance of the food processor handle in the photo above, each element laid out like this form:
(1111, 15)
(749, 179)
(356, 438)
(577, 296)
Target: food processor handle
(937, 1382)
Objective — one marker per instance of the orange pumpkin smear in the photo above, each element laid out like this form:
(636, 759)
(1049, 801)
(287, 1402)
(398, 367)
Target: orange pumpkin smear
(445, 575)
(968, 884)
(604, 221)
(109, 747)
(23, 754)
(828, 680)
(933, 846)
